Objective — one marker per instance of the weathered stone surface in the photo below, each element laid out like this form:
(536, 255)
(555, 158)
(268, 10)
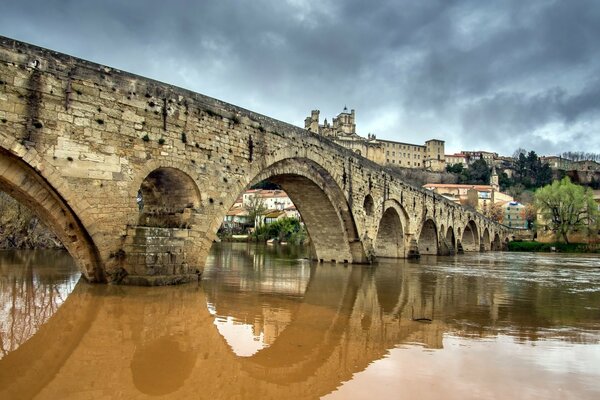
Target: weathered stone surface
(78, 141)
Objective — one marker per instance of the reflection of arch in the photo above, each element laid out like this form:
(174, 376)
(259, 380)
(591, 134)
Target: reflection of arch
(390, 285)
(303, 360)
(322, 206)
(470, 237)
(390, 235)
(169, 198)
(28, 187)
(175, 352)
(428, 243)
(368, 205)
(486, 245)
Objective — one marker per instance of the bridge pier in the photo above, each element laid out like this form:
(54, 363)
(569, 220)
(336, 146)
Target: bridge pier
(413, 249)
(459, 247)
(445, 249)
(155, 256)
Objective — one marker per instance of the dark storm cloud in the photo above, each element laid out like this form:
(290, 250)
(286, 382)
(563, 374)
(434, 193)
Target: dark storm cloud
(490, 75)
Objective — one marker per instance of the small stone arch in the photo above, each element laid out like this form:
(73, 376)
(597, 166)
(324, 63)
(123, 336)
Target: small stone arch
(451, 240)
(390, 235)
(486, 244)
(369, 205)
(470, 237)
(428, 238)
(496, 243)
(163, 247)
(168, 198)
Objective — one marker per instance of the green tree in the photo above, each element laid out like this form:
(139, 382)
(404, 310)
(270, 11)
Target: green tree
(457, 168)
(567, 207)
(285, 230)
(479, 172)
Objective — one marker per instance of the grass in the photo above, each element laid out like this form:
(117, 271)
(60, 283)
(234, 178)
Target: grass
(548, 247)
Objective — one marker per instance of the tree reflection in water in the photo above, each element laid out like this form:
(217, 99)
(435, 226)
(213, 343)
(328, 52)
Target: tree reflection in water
(33, 285)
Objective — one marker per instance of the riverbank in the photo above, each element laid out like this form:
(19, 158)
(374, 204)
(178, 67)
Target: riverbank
(538, 247)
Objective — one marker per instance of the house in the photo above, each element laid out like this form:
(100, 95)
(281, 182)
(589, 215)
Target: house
(514, 215)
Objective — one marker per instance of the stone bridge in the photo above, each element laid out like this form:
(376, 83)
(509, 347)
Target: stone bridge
(80, 143)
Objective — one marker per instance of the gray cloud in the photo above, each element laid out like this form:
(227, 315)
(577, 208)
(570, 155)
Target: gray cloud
(489, 75)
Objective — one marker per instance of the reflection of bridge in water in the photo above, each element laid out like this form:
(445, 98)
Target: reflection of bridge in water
(139, 341)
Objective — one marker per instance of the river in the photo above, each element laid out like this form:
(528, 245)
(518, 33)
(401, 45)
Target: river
(265, 323)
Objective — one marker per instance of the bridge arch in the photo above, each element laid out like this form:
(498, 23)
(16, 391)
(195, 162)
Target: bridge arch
(30, 188)
(428, 238)
(168, 197)
(451, 240)
(369, 205)
(322, 205)
(496, 243)
(487, 244)
(389, 242)
(470, 237)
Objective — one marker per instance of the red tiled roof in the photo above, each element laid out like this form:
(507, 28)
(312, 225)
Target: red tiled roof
(457, 186)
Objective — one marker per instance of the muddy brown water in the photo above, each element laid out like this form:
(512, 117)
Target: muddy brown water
(265, 323)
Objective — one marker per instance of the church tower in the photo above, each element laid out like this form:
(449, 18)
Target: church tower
(494, 180)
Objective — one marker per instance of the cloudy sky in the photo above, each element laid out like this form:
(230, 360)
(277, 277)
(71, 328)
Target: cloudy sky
(489, 75)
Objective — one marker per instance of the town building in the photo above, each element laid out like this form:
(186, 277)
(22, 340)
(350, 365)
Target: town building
(456, 158)
(275, 203)
(342, 130)
(514, 215)
(477, 196)
(271, 199)
(557, 162)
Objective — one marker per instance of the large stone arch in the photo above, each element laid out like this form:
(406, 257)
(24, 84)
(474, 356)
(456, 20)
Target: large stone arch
(486, 243)
(322, 205)
(30, 188)
(389, 242)
(428, 238)
(470, 237)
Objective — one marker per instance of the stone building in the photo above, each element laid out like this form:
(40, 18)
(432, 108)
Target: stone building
(385, 152)
(342, 130)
